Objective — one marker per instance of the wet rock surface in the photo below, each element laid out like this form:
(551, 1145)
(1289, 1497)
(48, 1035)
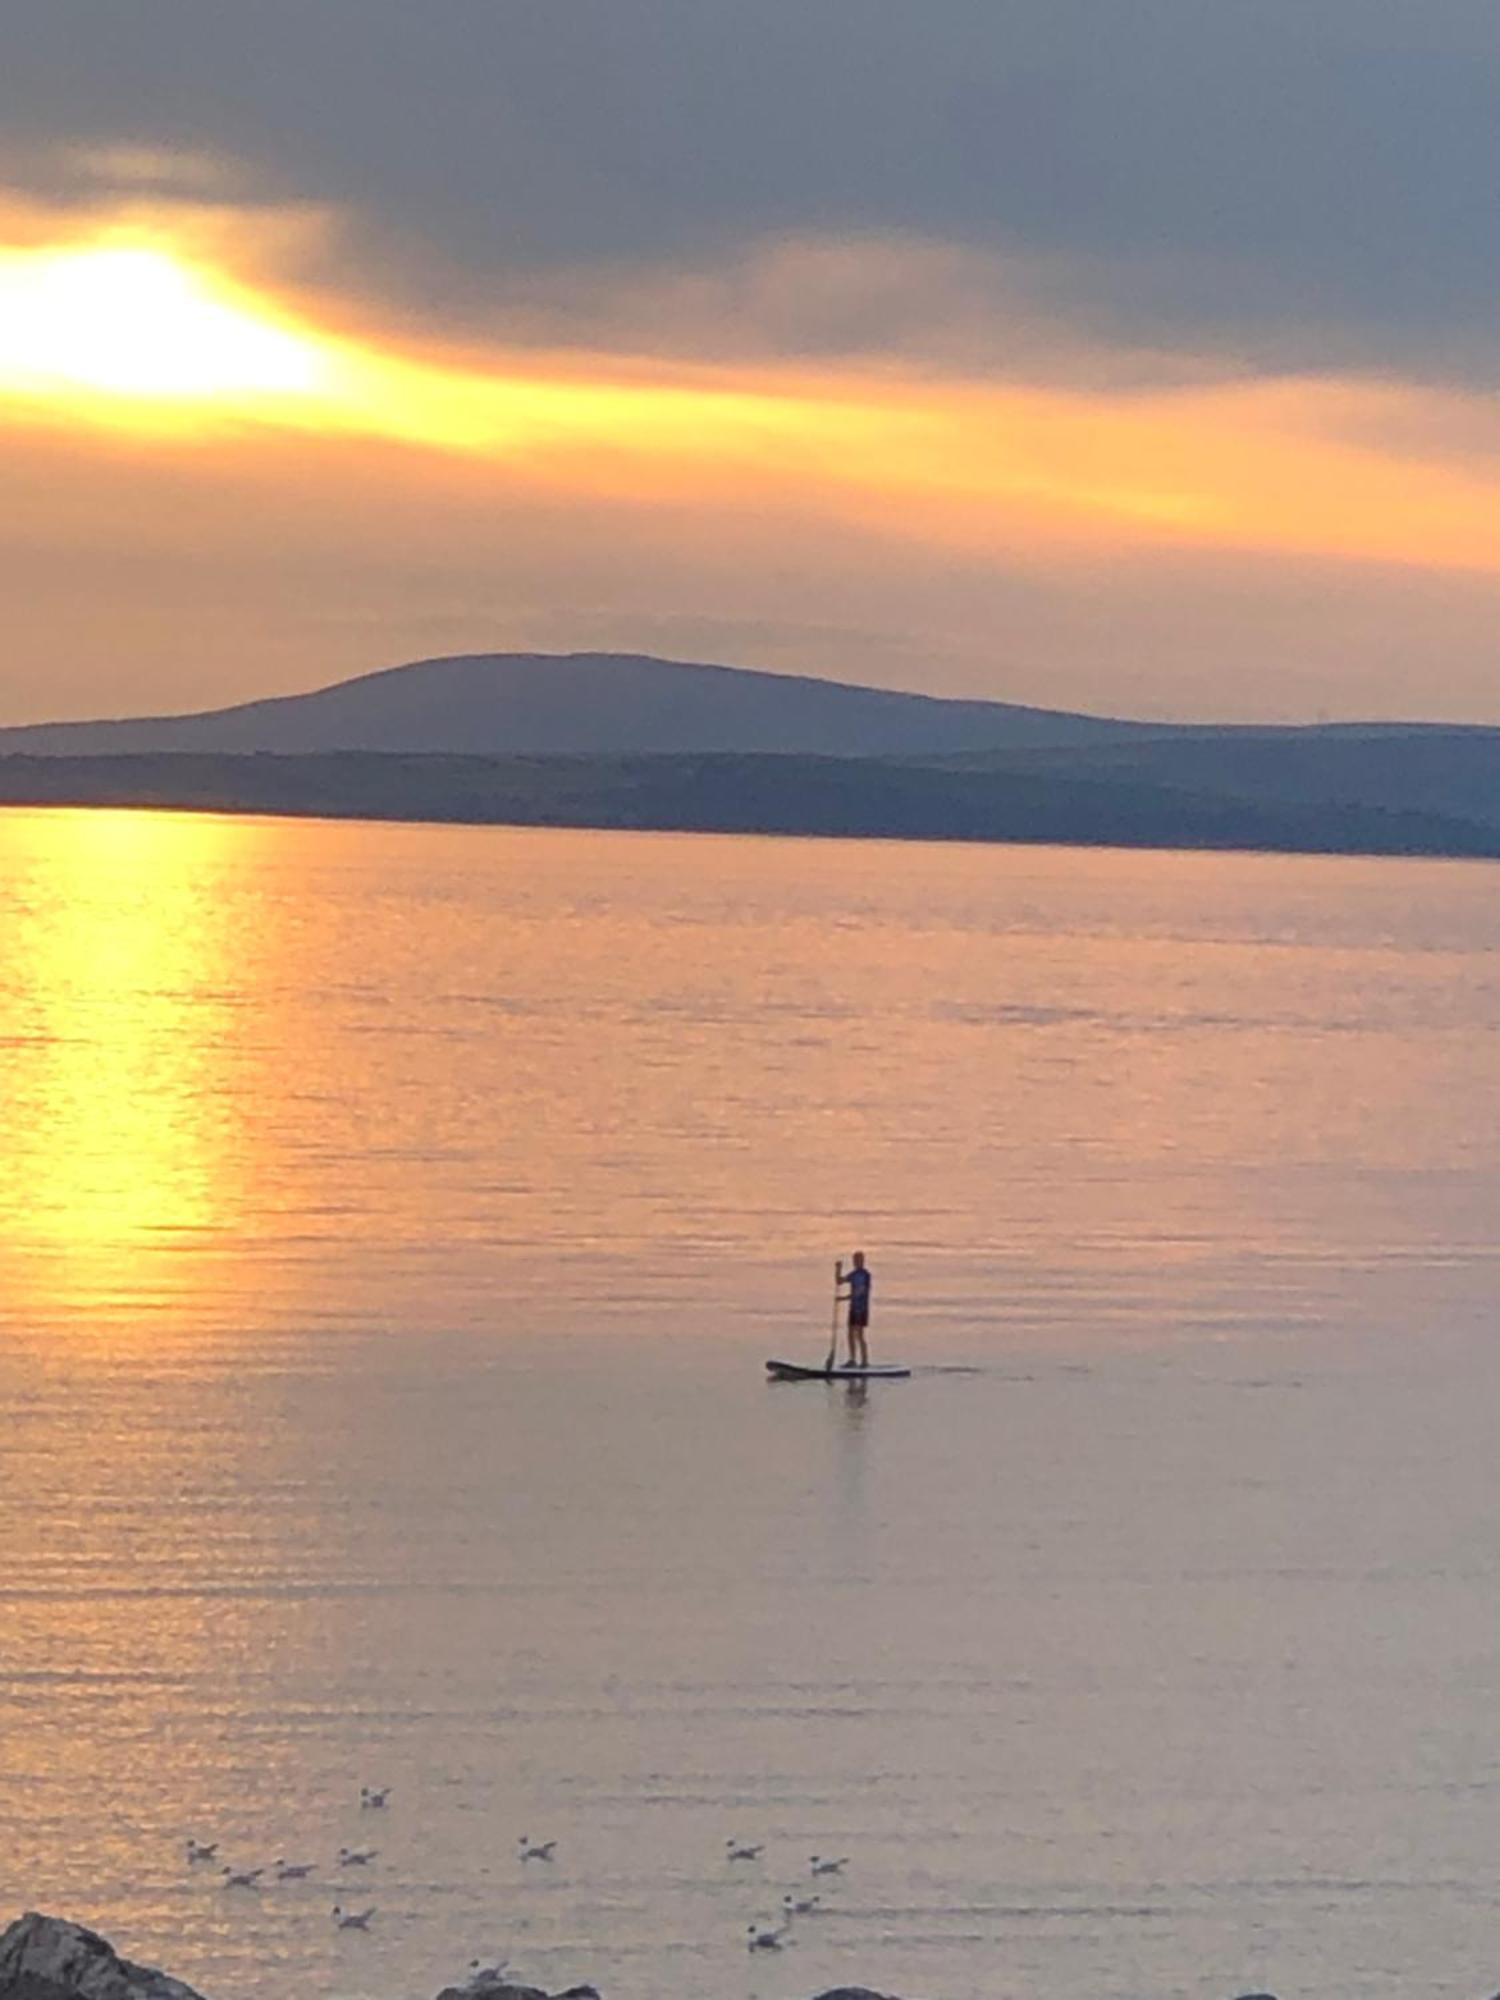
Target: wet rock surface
(46, 1958)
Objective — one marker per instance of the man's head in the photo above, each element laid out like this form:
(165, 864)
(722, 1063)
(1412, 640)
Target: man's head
(859, 1260)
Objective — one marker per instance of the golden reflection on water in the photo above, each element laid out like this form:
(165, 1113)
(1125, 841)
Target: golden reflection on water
(261, 1077)
(117, 1007)
(277, 1084)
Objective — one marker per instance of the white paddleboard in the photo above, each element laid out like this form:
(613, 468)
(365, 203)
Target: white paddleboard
(793, 1371)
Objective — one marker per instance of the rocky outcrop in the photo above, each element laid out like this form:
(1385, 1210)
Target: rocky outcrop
(45, 1958)
(501, 1988)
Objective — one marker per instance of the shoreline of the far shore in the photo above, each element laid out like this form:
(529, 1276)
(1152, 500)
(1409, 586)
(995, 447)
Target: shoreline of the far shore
(766, 795)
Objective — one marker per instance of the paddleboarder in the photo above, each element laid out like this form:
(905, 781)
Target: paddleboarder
(857, 1281)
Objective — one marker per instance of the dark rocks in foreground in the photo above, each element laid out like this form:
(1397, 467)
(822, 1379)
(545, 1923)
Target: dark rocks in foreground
(47, 1958)
(497, 1985)
(499, 1988)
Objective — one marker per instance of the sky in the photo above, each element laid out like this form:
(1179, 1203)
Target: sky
(1131, 355)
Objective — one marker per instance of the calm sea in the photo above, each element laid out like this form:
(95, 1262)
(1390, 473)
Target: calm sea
(393, 1224)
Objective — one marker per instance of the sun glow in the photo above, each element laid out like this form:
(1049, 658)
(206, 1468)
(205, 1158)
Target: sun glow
(135, 321)
(137, 332)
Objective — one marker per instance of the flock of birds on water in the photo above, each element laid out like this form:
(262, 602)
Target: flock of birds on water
(375, 1798)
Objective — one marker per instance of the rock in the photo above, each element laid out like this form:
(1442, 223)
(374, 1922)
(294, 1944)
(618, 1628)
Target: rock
(502, 1989)
(45, 1958)
(489, 1989)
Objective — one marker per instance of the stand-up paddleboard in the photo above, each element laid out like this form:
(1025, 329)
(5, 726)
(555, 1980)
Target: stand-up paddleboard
(793, 1371)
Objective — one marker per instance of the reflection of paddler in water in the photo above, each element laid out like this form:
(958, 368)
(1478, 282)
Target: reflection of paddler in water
(857, 1281)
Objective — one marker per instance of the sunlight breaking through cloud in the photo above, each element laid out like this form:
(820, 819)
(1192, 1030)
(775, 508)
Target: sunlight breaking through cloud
(133, 321)
(126, 330)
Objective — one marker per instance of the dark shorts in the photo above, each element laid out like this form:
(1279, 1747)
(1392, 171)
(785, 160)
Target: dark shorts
(859, 1315)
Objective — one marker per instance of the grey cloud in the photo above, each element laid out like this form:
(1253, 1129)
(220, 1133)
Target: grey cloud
(1279, 174)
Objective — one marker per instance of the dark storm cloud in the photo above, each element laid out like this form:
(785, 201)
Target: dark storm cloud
(1319, 173)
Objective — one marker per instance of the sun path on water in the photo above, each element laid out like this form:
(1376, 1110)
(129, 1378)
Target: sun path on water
(129, 330)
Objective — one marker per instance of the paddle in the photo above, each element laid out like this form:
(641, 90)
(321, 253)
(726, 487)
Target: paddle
(833, 1338)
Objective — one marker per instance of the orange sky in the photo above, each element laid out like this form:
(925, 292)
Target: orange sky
(174, 412)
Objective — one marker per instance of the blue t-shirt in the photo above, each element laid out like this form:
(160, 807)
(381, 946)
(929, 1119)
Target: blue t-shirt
(859, 1290)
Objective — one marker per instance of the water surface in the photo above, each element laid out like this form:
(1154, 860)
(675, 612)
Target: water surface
(392, 1224)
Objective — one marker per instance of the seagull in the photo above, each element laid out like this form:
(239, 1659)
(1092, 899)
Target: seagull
(293, 1871)
(372, 1799)
(536, 1850)
(352, 1920)
(242, 1878)
(800, 1906)
(821, 1867)
(357, 1857)
(737, 1851)
(202, 1850)
(767, 1940)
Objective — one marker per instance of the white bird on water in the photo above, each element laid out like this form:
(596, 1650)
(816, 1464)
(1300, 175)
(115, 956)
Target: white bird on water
(293, 1871)
(242, 1878)
(352, 1920)
(536, 1850)
(357, 1857)
(739, 1851)
(202, 1850)
(822, 1867)
(800, 1906)
(372, 1798)
(763, 1939)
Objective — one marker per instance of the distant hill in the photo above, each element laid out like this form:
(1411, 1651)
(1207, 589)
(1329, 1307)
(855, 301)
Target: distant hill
(537, 704)
(618, 740)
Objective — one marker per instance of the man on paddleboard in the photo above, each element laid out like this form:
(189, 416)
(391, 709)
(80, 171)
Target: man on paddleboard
(858, 1281)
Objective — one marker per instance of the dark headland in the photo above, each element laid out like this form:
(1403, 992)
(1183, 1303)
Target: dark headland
(615, 740)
